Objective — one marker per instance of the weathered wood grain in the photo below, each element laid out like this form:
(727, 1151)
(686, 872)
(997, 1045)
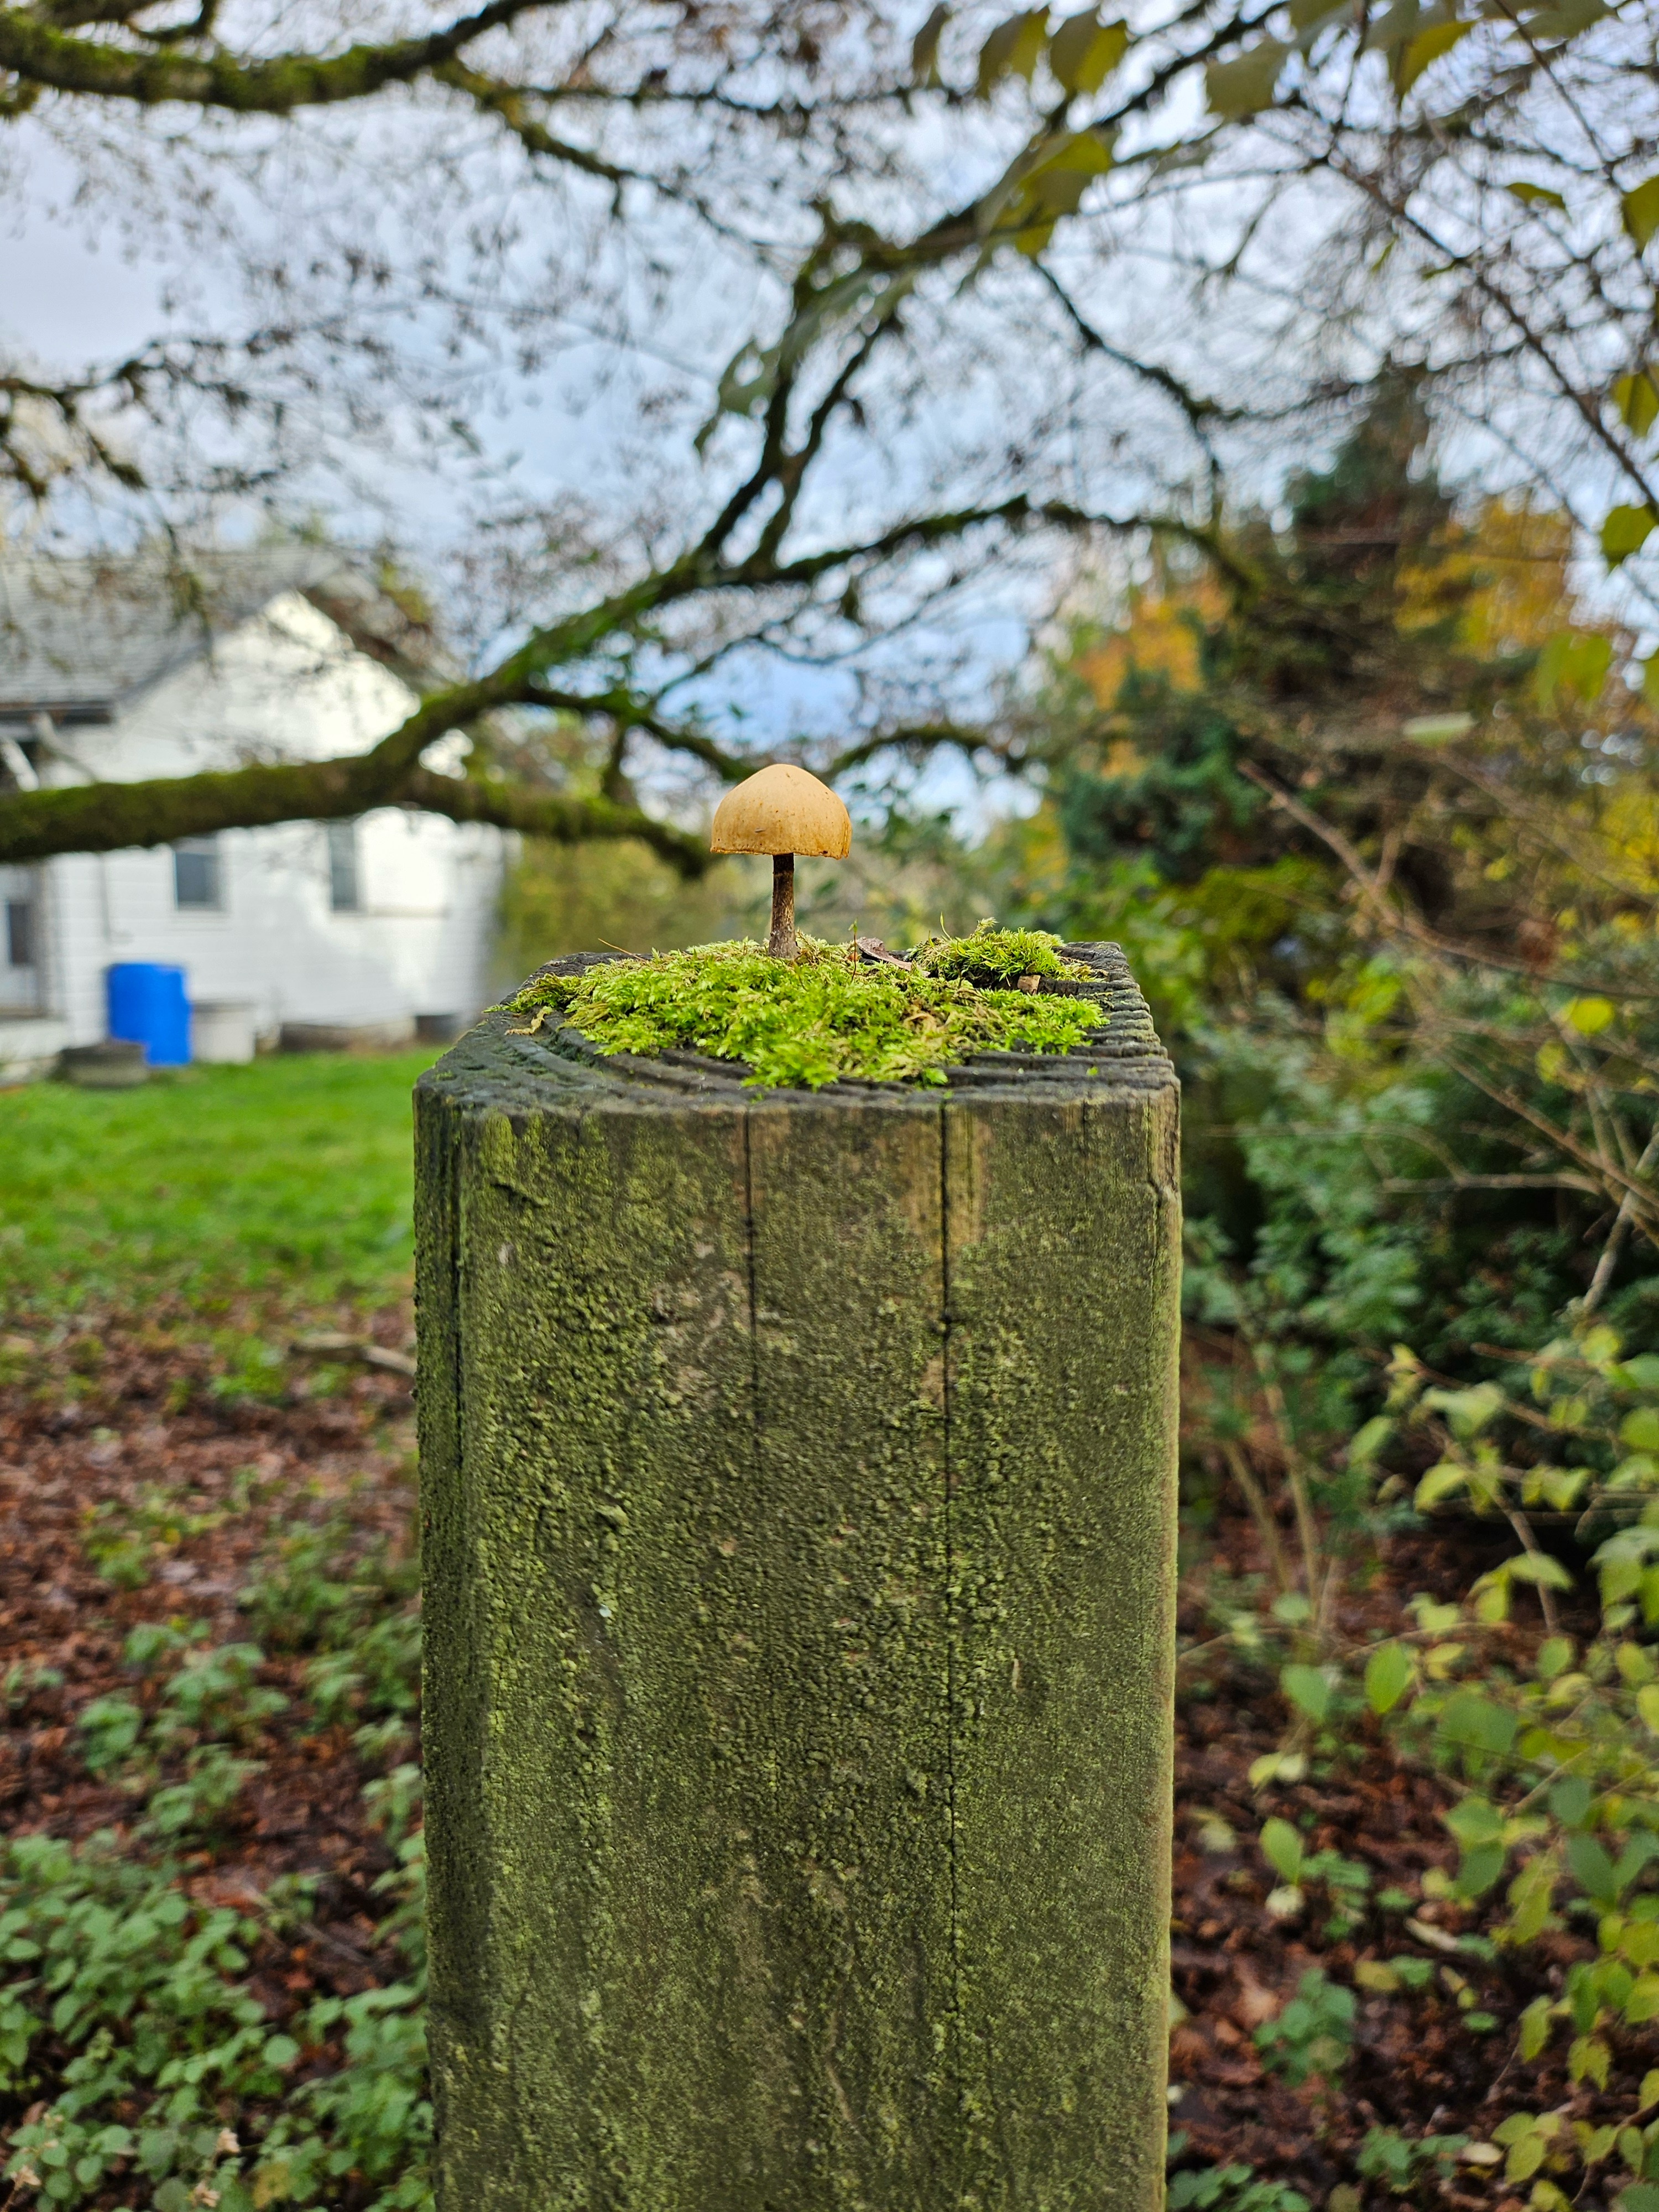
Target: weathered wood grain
(798, 1495)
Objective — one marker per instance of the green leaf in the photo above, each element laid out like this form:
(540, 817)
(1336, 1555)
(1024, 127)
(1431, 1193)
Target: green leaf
(1565, 19)
(1481, 1867)
(1641, 211)
(1591, 1867)
(1576, 661)
(1468, 1411)
(1056, 185)
(1475, 1820)
(1028, 47)
(1528, 2154)
(1472, 1722)
(1436, 729)
(1637, 398)
(924, 47)
(1517, 2127)
(1394, 27)
(1640, 1429)
(1626, 531)
(157, 2149)
(1555, 1657)
(1643, 1846)
(1536, 196)
(1530, 1896)
(1535, 2028)
(1388, 1673)
(1245, 86)
(1561, 1485)
(1640, 2196)
(1366, 1445)
(1539, 1569)
(1281, 1847)
(1012, 49)
(1427, 48)
(1572, 1799)
(1647, 1705)
(1309, 1689)
(1444, 1480)
(1083, 51)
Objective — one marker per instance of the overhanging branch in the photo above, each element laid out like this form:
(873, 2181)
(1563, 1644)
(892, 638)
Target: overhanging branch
(551, 815)
(41, 55)
(107, 818)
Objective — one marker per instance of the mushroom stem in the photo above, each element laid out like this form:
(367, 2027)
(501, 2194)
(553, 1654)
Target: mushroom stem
(781, 945)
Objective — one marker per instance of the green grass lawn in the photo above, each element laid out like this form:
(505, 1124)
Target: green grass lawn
(291, 1175)
(172, 2050)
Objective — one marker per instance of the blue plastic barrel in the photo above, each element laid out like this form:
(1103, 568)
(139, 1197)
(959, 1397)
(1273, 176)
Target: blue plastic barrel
(148, 1007)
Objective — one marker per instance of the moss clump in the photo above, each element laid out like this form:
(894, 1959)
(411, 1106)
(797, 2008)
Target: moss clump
(827, 1015)
(994, 957)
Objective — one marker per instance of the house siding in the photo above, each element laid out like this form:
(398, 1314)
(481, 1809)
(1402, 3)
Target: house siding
(288, 684)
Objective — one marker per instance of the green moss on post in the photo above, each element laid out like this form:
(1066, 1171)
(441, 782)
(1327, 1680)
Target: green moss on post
(797, 1479)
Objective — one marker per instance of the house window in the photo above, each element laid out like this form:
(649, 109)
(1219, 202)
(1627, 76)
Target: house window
(196, 876)
(19, 934)
(342, 887)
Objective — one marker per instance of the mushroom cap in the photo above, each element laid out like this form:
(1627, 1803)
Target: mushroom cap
(781, 810)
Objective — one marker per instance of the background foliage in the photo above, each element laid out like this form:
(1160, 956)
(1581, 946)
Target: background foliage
(1355, 770)
(1385, 854)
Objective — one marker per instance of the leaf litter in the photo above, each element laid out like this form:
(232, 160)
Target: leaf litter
(147, 1518)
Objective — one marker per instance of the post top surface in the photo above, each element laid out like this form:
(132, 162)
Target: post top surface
(499, 1064)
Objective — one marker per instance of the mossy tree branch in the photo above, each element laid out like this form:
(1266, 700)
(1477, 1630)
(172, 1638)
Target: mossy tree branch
(107, 816)
(103, 817)
(585, 663)
(40, 54)
(552, 815)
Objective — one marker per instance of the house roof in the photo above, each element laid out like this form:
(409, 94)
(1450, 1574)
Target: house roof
(79, 637)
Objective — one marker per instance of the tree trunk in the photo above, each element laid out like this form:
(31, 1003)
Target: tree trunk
(798, 1499)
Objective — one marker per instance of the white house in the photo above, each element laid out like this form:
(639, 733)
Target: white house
(109, 671)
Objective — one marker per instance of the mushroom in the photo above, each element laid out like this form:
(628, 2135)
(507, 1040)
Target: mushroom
(782, 810)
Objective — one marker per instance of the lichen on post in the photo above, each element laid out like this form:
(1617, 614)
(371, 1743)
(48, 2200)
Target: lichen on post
(797, 1482)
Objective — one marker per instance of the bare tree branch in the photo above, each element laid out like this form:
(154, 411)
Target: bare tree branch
(41, 55)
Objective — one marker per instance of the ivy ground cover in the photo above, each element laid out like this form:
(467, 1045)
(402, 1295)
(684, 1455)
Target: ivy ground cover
(1406, 1968)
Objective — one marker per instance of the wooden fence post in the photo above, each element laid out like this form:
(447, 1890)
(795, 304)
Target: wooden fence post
(799, 1510)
